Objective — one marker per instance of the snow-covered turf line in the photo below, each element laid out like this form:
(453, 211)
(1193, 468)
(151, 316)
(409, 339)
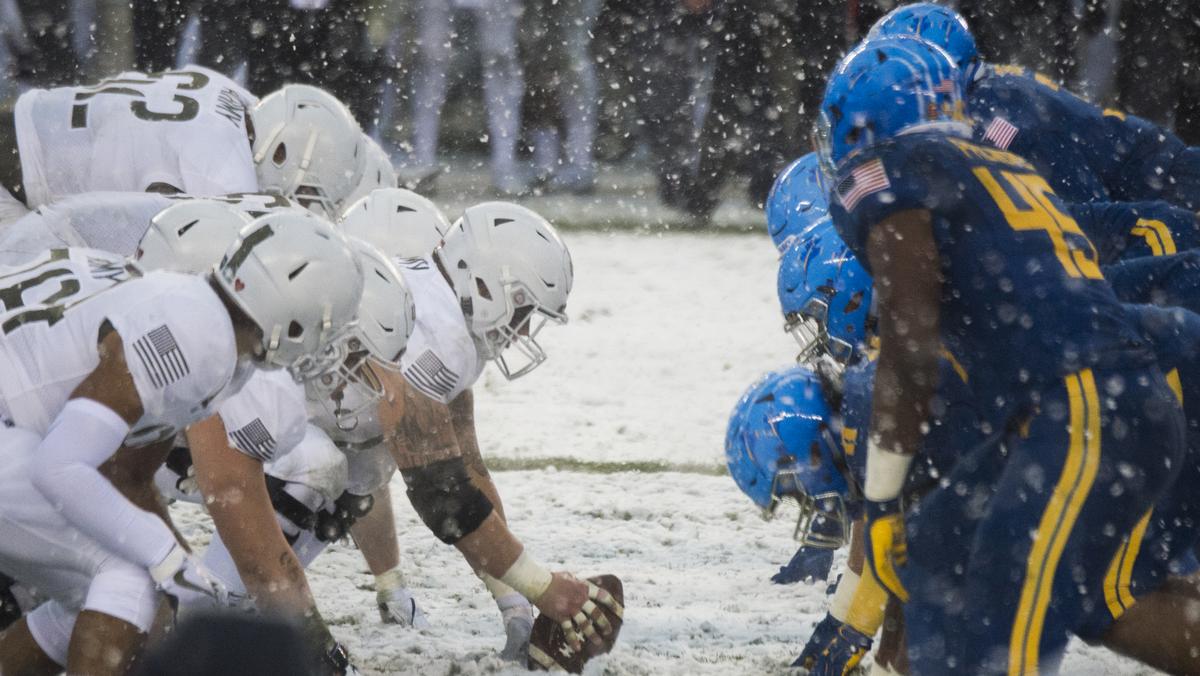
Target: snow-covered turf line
(665, 333)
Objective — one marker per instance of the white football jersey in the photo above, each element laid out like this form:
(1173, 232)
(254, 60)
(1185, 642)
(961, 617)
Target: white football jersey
(441, 360)
(315, 462)
(183, 130)
(111, 221)
(177, 337)
(266, 418)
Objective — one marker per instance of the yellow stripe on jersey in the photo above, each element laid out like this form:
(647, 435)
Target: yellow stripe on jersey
(1175, 384)
(1157, 236)
(1062, 510)
(958, 368)
(1117, 596)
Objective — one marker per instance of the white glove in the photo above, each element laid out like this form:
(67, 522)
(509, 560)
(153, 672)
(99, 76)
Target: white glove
(185, 579)
(397, 606)
(517, 614)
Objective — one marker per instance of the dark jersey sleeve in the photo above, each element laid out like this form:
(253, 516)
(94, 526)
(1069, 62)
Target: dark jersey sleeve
(1159, 280)
(1135, 229)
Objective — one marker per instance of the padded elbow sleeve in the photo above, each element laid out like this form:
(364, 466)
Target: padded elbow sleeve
(446, 500)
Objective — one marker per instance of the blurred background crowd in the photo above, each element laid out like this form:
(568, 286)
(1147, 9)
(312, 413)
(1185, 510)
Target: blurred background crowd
(711, 97)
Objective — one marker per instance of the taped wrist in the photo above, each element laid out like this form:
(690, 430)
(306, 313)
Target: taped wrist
(446, 500)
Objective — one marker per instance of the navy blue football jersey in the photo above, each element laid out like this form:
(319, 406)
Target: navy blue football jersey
(1023, 299)
(1085, 152)
(955, 425)
(1121, 230)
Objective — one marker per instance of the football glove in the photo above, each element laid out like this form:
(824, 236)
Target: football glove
(887, 547)
(337, 662)
(397, 606)
(181, 575)
(834, 649)
(517, 614)
(807, 564)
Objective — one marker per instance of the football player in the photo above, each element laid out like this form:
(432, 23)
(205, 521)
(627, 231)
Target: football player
(1086, 153)
(1022, 305)
(514, 272)
(136, 358)
(190, 131)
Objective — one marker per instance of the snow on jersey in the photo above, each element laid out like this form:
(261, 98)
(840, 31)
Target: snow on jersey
(441, 360)
(176, 334)
(181, 130)
(266, 418)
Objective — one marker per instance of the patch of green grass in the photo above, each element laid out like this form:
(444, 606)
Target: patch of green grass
(600, 467)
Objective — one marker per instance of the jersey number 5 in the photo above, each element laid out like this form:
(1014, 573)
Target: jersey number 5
(48, 306)
(1025, 200)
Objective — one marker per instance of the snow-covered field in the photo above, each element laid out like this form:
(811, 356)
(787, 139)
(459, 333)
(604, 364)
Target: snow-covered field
(665, 333)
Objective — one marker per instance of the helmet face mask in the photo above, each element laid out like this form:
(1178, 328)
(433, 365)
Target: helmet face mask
(351, 388)
(520, 334)
(822, 520)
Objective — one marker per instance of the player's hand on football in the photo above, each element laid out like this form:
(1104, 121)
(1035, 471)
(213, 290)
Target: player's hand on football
(575, 604)
(834, 649)
(182, 576)
(887, 545)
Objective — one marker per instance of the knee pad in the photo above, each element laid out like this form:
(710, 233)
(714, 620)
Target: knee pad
(124, 591)
(446, 500)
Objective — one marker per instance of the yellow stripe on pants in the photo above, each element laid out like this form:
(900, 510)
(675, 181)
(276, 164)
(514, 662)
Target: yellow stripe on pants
(1062, 510)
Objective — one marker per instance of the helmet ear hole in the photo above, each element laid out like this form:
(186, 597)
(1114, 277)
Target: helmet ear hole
(295, 329)
(280, 155)
(482, 288)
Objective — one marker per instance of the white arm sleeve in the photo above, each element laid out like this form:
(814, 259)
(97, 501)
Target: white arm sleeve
(81, 438)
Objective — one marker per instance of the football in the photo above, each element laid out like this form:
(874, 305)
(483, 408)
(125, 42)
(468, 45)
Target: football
(548, 648)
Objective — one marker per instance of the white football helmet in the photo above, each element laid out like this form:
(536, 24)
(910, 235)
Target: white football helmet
(295, 277)
(508, 266)
(386, 317)
(378, 172)
(191, 236)
(400, 222)
(307, 147)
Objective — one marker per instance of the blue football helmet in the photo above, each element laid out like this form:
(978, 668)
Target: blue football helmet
(797, 200)
(940, 25)
(825, 295)
(780, 447)
(884, 88)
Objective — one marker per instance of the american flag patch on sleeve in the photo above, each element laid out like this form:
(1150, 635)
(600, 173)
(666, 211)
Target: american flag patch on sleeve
(866, 179)
(161, 357)
(1001, 133)
(255, 440)
(431, 376)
